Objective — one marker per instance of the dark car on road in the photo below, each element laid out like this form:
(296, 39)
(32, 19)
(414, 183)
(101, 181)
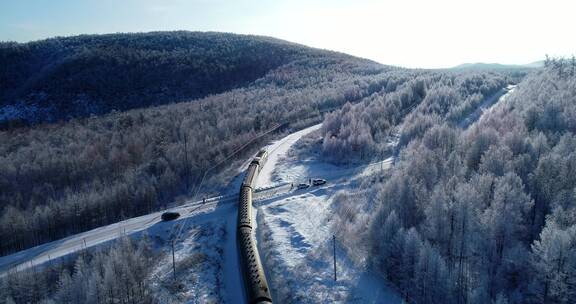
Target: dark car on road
(302, 186)
(169, 216)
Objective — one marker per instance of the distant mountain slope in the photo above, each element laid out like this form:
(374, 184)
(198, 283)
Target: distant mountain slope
(62, 78)
(535, 64)
(497, 66)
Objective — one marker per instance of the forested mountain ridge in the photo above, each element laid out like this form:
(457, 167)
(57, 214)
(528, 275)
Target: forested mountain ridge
(88, 172)
(68, 77)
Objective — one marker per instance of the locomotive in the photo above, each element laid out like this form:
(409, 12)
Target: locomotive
(255, 282)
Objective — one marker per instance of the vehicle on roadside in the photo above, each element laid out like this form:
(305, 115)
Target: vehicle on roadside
(170, 216)
(318, 182)
(302, 186)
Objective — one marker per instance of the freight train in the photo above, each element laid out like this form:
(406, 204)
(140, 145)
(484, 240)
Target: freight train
(255, 283)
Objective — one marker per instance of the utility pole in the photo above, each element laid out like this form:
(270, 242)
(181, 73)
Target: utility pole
(381, 162)
(85, 249)
(187, 175)
(334, 246)
(173, 262)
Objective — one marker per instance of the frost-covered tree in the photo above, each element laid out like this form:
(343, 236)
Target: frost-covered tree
(554, 262)
(492, 204)
(116, 275)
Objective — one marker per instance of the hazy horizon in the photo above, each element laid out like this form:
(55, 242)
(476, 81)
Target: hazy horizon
(414, 34)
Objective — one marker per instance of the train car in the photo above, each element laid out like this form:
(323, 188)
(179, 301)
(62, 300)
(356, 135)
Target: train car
(262, 154)
(260, 159)
(256, 285)
(251, 176)
(245, 208)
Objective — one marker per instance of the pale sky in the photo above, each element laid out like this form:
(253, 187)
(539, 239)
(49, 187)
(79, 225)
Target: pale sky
(412, 33)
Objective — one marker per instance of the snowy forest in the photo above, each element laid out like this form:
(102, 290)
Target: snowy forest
(471, 211)
(67, 77)
(478, 214)
(119, 274)
(362, 131)
(89, 172)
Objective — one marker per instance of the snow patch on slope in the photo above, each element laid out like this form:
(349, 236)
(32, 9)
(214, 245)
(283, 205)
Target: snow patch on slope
(199, 258)
(296, 246)
(295, 233)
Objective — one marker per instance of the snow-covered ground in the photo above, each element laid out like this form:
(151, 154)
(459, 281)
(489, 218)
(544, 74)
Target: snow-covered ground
(199, 258)
(295, 232)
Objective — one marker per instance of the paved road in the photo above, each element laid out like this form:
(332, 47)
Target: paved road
(486, 106)
(56, 249)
